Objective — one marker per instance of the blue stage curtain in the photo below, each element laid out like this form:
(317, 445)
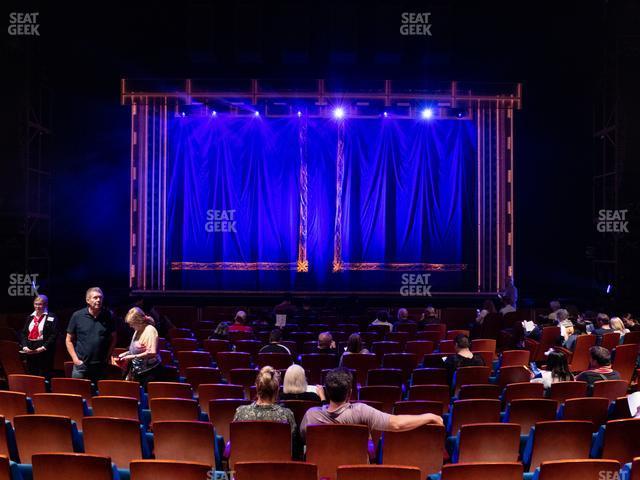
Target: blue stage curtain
(247, 166)
(407, 189)
(408, 196)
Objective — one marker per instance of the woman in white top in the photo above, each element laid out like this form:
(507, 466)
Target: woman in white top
(145, 365)
(557, 370)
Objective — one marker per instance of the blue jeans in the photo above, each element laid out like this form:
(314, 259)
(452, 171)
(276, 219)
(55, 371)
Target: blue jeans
(91, 371)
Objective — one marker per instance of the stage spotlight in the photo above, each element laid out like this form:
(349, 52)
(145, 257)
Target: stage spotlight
(299, 113)
(385, 114)
(256, 113)
(338, 113)
(427, 114)
(214, 114)
(460, 113)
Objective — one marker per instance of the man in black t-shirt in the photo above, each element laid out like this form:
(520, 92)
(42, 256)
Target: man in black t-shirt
(274, 346)
(91, 336)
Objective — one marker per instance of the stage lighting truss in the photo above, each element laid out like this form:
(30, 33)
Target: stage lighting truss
(455, 102)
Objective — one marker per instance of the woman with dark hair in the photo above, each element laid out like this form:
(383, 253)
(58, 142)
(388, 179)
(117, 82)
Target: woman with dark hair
(557, 370)
(382, 318)
(354, 345)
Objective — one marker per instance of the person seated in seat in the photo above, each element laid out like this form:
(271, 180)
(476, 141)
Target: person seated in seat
(274, 346)
(382, 318)
(487, 307)
(239, 323)
(561, 316)
(326, 344)
(463, 357)
(617, 325)
(508, 305)
(338, 387)
(570, 334)
(630, 322)
(603, 325)
(354, 345)
(554, 306)
(265, 407)
(428, 317)
(295, 386)
(557, 371)
(402, 318)
(599, 368)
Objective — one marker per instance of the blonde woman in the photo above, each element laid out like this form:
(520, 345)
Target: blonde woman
(265, 407)
(295, 386)
(143, 354)
(618, 326)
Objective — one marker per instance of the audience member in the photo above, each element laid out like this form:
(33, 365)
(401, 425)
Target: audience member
(382, 318)
(239, 323)
(561, 315)
(354, 345)
(630, 322)
(602, 325)
(295, 386)
(617, 325)
(508, 305)
(487, 307)
(402, 317)
(274, 346)
(569, 335)
(557, 370)
(38, 338)
(554, 305)
(265, 407)
(463, 357)
(428, 317)
(326, 344)
(144, 361)
(599, 367)
(221, 331)
(338, 387)
(91, 337)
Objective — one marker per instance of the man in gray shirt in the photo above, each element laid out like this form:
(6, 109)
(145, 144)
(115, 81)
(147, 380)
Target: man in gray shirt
(339, 411)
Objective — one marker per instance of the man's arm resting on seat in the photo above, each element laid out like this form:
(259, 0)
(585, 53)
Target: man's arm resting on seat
(403, 423)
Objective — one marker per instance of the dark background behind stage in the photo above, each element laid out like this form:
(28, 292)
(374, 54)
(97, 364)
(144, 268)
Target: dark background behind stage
(554, 48)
